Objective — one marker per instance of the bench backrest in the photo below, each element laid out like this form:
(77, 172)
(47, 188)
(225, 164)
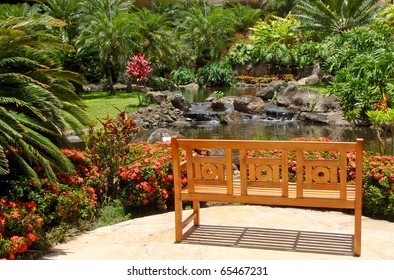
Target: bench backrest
(332, 167)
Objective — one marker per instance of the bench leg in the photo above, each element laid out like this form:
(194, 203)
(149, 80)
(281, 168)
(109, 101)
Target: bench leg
(357, 232)
(196, 210)
(178, 220)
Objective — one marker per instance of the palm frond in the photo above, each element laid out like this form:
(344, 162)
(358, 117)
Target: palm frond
(4, 168)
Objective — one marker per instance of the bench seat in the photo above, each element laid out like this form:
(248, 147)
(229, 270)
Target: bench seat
(275, 173)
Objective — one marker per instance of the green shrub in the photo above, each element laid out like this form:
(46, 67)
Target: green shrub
(160, 83)
(215, 74)
(182, 76)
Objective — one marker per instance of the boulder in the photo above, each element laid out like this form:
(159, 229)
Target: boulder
(232, 117)
(156, 97)
(306, 100)
(162, 135)
(249, 104)
(268, 92)
(179, 102)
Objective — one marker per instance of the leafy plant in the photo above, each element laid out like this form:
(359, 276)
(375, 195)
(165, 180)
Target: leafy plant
(138, 70)
(382, 122)
(336, 16)
(37, 98)
(107, 147)
(182, 76)
(215, 74)
(362, 62)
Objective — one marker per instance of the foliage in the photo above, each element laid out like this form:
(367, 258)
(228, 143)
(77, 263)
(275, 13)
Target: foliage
(336, 16)
(206, 28)
(240, 53)
(182, 76)
(215, 74)
(30, 209)
(382, 122)
(244, 16)
(277, 41)
(378, 186)
(362, 61)
(37, 98)
(265, 79)
(153, 35)
(108, 150)
(111, 213)
(160, 83)
(280, 7)
(105, 24)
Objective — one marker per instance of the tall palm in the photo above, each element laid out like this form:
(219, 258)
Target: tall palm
(336, 16)
(152, 34)
(280, 7)
(105, 29)
(70, 12)
(37, 101)
(206, 27)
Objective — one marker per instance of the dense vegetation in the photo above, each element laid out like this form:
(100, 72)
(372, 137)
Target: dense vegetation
(49, 49)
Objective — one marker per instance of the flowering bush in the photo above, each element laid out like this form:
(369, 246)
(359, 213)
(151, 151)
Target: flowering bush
(107, 149)
(20, 227)
(147, 180)
(30, 208)
(378, 186)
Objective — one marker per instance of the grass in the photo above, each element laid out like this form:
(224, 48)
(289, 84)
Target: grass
(101, 104)
(111, 214)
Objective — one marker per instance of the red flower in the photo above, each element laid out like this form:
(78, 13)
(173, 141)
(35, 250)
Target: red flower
(31, 236)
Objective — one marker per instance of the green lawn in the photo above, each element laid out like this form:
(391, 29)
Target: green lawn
(101, 104)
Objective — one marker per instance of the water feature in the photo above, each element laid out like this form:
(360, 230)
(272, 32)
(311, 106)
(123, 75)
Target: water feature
(268, 127)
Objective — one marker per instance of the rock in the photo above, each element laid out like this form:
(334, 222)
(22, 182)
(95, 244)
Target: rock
(268, 92)
(331, 118)
(178, 101)
(156, 97)
(310, 80)
(306, 100)
(232, 117)
(249, 104)
(162, 135)
(218, 105)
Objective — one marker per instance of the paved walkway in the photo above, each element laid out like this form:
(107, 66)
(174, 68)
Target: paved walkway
(235, 232)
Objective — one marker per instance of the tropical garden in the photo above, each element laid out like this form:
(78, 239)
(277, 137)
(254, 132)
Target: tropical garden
(49, 50)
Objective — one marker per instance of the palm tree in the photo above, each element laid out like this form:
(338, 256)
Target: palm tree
(336, 16)
(152, 34)
(37, 101)
(105, 29)
(70, 12)
(280, 7)
(206, 27)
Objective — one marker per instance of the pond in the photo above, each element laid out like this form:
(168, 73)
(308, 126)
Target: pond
(268, 129)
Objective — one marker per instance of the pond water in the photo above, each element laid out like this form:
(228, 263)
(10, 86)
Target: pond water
(269, 129)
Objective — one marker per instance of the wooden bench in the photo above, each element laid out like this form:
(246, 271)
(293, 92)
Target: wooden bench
(282, 173)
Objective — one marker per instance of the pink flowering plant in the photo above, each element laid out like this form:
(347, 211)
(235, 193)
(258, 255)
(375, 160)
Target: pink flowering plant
(138, 68)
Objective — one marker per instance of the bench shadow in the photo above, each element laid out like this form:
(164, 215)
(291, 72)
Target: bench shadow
(271, 239)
